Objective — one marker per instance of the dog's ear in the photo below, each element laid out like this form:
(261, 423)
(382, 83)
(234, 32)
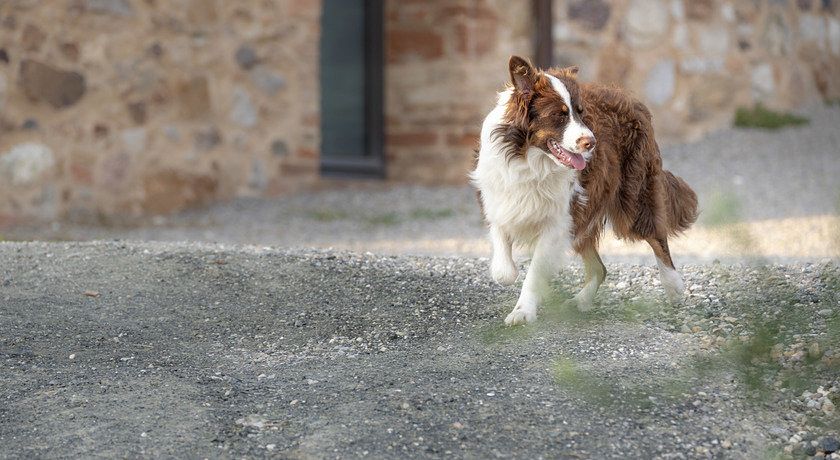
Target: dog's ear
(523, 75)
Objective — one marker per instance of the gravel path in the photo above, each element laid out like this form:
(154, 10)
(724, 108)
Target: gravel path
(773, 195)
(156, 349)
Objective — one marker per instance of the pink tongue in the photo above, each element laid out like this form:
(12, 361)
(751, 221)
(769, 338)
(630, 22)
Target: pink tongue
(577, 161)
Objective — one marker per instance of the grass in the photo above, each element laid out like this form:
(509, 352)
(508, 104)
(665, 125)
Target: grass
(327, 215)
(764, 118)
(431, 214)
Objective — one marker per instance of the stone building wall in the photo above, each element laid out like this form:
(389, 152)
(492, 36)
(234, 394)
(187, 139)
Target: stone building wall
(113, 109)
(121, 108)
(695, 61)
(445, 59)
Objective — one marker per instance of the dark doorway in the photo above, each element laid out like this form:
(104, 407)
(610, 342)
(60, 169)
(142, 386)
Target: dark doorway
(351, 88)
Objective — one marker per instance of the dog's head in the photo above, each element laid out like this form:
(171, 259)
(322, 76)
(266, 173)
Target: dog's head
(544, 111)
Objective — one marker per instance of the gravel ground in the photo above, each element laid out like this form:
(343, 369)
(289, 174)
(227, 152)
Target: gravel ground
(157, 349)
(771, 194)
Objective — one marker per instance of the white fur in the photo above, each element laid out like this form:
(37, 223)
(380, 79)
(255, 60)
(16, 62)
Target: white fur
(526, 201)
(575, 129)
(671, 281)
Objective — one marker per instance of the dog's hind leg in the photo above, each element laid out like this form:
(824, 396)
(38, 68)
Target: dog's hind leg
(594, 275)
(671, 280)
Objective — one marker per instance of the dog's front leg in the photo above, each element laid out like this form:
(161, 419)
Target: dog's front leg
(502, 267)
(548, 255)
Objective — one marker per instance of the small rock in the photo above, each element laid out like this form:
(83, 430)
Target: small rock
(829, 445)
(72, 356)
(25, 163)
(243, 112)
(112, 7)
(828, 407)
(246, 57)
(279, 148)
(814, 351)
(43, 82)
(726, 444)
(267, 81)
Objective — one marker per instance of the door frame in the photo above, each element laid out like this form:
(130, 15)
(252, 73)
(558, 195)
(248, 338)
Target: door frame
(373, 164)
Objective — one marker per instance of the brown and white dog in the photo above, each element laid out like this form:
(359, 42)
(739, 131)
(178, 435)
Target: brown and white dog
(558, 159)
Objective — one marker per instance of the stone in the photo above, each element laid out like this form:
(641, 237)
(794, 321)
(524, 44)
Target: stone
(267, 81)
(695, 65)
(194, 98)
(137, 111)
(408, 44)
(3, 87)
(134, 140)
(762, 80)
(679, 37)
(258, 180)
(713, 95)
(25, 163)
(172, 133)
(661, 82)
(70, 51)
(4, 56)
(677, 10)
(32, 38)
(834, 36)
(113, 7)
(243, 112)
(776, 35)
(829, 445)
(646, 23)
(115, 170)
(57, 87)
(279, 148)
(614, 65)
(812, 28)
(699, 10)
(30, 124)
(594, 14)
(208, 139)
(804, 5)
(246, 57)
(728, 12)
(714, 40)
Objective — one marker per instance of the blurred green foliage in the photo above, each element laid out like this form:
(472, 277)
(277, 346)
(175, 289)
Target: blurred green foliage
(762, 117)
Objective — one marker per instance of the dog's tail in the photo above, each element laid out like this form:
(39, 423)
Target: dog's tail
(681, 204)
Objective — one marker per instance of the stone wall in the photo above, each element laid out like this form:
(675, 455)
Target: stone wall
(113, 109)
(445, 61)
(695, 61)
(122, 108)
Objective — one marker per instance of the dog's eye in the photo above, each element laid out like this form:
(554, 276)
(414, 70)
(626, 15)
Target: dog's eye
(579, 109)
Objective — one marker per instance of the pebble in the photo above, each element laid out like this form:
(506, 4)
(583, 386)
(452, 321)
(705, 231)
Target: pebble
(829, 445)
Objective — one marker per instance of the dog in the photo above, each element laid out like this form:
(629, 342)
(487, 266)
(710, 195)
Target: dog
(557, 160)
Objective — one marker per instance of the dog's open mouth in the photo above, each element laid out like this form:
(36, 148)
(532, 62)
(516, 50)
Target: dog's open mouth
(569, 159)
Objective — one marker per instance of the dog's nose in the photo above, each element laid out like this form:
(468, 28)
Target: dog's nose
(585, 142)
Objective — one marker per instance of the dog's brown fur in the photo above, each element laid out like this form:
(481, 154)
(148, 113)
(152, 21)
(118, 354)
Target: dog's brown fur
(624, 180)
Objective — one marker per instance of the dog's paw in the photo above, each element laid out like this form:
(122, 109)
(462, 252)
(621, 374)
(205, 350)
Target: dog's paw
(521, 315)
(673, 285)
(503, 271)
(674, 295)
